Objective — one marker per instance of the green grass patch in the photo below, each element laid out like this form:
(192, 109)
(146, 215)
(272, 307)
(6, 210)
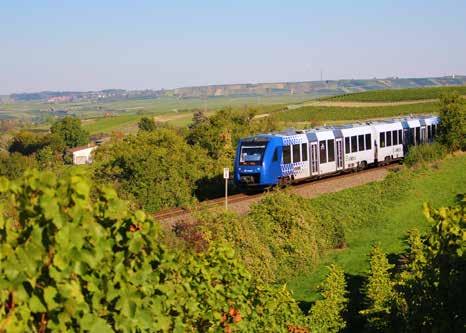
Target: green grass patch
(319, 114)
(394, 95)
(107, 125)
(381, 212)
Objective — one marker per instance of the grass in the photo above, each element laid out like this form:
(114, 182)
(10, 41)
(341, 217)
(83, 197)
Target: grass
(320, 114)
(384, 224)
(394, 95)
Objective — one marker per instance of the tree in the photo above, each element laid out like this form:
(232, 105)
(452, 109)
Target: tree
(452, 127)
(379, 291)
(158, 168)
(327, 314)
(69, 129)
(146, 124)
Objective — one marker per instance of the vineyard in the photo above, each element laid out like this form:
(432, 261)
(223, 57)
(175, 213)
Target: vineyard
(321, 114)
(394, 95)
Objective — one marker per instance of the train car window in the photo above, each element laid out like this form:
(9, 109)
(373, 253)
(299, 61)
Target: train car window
(275, 155)
(368, 141)
(395, 137)
(389, 139)
(429, 132)
(361, 142)
(286, 154)
(323, 151)
(296, 153)
(418, 135)
(400, 137)
(411, 136)
(331, 150)
(354, 144)
(434, 128)
(382, 139)
(304, 151)
(347, 146)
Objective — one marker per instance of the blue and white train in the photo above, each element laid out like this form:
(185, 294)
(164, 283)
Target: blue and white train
(285, 157)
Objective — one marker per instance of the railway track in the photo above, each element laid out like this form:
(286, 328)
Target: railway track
(176, 212)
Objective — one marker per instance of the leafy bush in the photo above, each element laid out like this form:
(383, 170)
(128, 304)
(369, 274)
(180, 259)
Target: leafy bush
(452, 127)
(157, 168)
(425, 153)
(72, 262)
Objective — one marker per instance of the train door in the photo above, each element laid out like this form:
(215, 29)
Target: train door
(314, 159)
(339, 143)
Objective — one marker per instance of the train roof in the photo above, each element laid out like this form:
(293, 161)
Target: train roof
(264, 138)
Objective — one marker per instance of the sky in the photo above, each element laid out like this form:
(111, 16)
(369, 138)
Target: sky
(92, 45)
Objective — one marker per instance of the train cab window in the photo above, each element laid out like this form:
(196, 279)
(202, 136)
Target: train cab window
(347, 145)
(382, 140)
(331, 150)
(400, 137)
(389, 138)
(275, 155)
(368, 141)
(286, 154)
(361, 142)
(296, 153)
(323, 151)
(395, 137)
(304, 151)
(354, 144)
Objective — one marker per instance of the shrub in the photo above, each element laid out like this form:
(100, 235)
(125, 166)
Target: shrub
(422, 154)
(452, 127)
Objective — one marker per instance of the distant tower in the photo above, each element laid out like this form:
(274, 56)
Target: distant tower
(321, 76)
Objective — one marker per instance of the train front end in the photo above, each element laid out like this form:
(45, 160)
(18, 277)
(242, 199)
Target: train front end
(257, 162)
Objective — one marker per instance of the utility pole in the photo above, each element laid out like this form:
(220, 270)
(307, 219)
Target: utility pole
(226, 175)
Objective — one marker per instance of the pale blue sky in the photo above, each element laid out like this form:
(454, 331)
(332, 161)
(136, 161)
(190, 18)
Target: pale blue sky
(90, 45)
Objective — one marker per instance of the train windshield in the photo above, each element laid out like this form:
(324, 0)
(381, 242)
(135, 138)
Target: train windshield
(251, 155)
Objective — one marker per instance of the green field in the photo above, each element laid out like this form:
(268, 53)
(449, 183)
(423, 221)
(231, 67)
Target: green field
(395, 95)
(320, 114)
(381, 213)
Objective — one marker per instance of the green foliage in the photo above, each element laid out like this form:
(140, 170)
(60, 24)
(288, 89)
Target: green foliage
(146, 124)
(158, 168)
(425, 153)
(326, 314)
(75, 262)
(452, 127)
(322, 114)
(393, 95)
(278, 238)
(433, 280)
(379, 291)
(13, 165)
(219, 134)
(70, 131)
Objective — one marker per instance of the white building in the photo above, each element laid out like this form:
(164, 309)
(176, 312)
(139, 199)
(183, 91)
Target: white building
(83, 154)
